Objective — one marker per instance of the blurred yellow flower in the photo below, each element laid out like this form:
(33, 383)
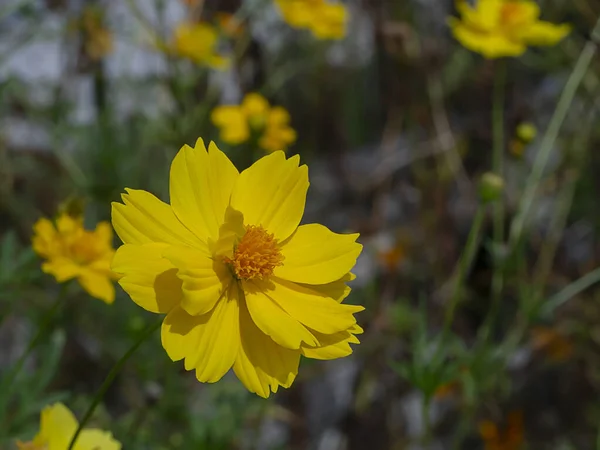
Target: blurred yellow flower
(198, 42)
(524, 134)
(57, 427)
(555, 345)
(325, 20)
(98, 39)
(242, 283)
(255, 115)
(498, 28)
(74, 252)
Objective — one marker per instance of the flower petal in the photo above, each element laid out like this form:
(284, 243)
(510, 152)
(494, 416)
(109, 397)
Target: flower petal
(209, 343)
(98, 285)
(57, 426)
(149, 279)
(332, 346)
(272, 193)
(273, 320)
(337, 290)
(94, 439)
(204, 279)
(62, 269)
(311, 307)
(316, 255)
(200, 185)
(262, 365)
(143, 218)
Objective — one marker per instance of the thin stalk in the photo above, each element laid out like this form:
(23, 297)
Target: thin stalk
(5, 387)
(562, 108)
(559, 220)
(110, 378)
(498, 169)
(426, 418)
(570, 291)
(464, 265)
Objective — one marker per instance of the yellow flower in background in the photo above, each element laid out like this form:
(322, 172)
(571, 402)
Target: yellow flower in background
(325, 20)
(57, 427)
(242, 283)
(237, 123)
(98, 39)
(229, 24)
(71, 252)
(198, 42)
(498, 28)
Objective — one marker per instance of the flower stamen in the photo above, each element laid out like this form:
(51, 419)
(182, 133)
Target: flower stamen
(256, 255)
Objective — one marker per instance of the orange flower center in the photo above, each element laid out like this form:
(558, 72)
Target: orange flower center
(256, 255)
(511, 14)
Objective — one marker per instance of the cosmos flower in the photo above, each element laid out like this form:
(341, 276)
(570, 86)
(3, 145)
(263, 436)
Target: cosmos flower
(238, 123)
(325, 20)
(57, 427)
(242, 284)
(71, 251)
(198, 42)
(498, 28)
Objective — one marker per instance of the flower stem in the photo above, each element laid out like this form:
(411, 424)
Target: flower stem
(464, 265)
(110, 378)
(562, 108)
(498, 169)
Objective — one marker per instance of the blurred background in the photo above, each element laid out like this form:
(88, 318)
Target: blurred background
(394, 119)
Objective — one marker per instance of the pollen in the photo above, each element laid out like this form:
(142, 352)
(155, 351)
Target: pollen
(512, 14)
(256, 255)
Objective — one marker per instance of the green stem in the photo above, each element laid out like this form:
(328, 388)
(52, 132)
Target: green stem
(110, 378)
(570, 291)
(562, 108)
(426, 417)
(5, 387)
(498, 169)
(464, 265)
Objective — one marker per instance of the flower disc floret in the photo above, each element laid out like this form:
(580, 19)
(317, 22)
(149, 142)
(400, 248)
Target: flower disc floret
(256, 255)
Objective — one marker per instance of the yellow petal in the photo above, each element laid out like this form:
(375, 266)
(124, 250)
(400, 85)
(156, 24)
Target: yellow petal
(316, 255)
(262, 365)
(94, 439)
(204, 279)
(490, 45)
(62, 269)
(143, 218)
(255, 105)
(233, 124)
(45, 240)
(332, 346)
(272, 193)
(209, 343)
(200, 185)
(337, 290)
(544, 33)
(57, 426)
(311, 307)
(149, 279)
(273, 320)
(98, 285)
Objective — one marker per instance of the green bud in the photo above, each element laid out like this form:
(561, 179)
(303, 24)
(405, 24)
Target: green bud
(490, 187)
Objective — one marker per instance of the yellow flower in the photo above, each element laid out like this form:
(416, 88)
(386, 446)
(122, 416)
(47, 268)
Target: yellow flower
(237, 123)
(197, 42)
(325, 20)
(57, 427)
(242, 284)
(73, 252)
(498, 28)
